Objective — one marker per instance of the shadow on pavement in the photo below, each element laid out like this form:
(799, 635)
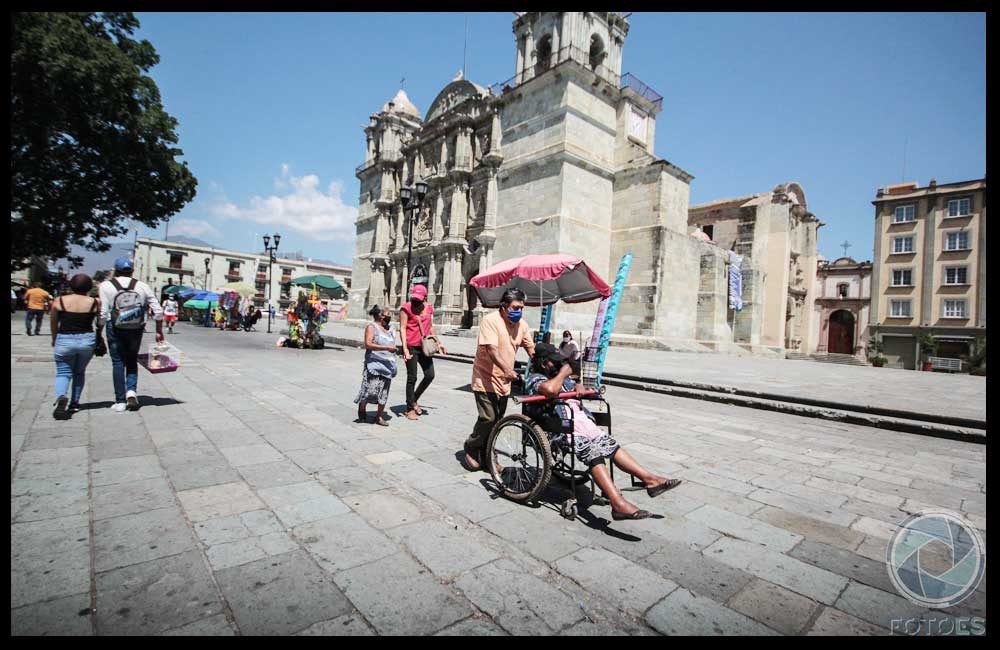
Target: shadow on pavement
(157, 401)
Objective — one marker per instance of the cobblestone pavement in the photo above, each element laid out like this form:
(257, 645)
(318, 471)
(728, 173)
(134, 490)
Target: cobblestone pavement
(936, 393)
(243, 499)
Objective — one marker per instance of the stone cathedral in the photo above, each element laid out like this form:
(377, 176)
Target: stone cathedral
(559, 158)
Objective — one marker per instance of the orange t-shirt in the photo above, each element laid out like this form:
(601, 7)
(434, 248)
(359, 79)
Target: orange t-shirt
(494, 329)
(35, 298)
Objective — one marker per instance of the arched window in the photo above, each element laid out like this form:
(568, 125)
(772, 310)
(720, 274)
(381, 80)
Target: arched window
(597, 53)
(543, 54)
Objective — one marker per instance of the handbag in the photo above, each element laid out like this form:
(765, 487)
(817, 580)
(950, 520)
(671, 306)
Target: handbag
(429, 345)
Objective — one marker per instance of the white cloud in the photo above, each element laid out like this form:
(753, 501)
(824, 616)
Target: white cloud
(194, 228)
(305, 208)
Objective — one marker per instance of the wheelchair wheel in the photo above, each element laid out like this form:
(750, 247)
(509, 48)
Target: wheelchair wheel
(519, 457)
(561, 467)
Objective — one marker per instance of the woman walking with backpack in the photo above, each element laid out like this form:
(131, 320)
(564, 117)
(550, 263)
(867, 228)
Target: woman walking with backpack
(73, 342)
(124, 301)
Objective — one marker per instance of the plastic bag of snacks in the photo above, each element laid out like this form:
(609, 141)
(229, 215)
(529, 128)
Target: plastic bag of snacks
(162, 357)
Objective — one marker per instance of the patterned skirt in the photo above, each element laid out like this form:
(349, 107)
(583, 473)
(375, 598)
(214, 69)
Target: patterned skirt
(374, 389)
(591, 451)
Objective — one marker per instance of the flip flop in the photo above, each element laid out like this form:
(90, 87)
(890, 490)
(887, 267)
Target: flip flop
(381, 423)
(663, 487)
(638, 514)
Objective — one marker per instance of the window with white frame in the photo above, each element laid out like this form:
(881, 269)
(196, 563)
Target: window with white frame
(957, 240)
(902, 244)
(900, 309)
(960, 207)
(955, 309)
(904, 213)
(956, 275)
(902, 277)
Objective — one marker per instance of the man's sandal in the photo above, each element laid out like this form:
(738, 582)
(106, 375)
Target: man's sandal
(663, 487)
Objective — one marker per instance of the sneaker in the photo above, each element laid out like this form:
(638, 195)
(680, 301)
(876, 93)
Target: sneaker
(131, 401)
(74, 407)
(60, 413)
(118, 408)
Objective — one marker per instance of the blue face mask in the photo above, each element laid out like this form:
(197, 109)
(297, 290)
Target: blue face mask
(514, 316)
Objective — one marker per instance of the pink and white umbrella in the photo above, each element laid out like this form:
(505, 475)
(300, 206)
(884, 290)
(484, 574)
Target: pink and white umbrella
(544, 279)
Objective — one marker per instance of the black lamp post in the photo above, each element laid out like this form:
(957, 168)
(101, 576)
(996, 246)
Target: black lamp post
(208, 311)
(412, 202)
(270, 250)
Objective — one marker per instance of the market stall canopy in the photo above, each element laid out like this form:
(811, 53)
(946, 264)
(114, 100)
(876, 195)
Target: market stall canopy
(322, 282)
(544, 279)
(178, 289)
(241, 288)
(198, 304)
(206, 295)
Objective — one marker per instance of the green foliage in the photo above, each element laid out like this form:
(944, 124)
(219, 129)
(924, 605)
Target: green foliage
(928, 344)
(91, 145)
(977, 356)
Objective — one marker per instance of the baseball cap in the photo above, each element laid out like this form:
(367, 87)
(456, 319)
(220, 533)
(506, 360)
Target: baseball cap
(549, 352)
(123, 264)
(419, 292)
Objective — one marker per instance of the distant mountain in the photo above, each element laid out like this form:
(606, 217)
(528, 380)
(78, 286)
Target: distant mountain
(190, 241)
(92, 261)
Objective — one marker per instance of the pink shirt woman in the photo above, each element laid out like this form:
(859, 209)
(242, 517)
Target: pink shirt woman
(413, 316)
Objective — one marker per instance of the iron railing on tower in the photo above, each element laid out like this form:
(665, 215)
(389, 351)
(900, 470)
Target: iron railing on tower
(632, 82)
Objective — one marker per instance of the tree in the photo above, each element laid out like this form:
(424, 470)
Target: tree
(91, 145)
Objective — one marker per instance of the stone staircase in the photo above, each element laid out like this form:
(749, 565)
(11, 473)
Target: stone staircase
(841, 359)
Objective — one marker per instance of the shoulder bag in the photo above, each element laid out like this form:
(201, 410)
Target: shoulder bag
(429, 345)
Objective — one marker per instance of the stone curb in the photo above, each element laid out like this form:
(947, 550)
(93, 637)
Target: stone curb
(960, 429)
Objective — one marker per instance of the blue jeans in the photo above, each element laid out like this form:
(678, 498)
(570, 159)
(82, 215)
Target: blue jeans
(72, 352)
(37, 315)
(123, 346)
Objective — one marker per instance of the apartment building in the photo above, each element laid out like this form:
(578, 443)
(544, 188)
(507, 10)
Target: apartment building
(929, 271)
(160, 263)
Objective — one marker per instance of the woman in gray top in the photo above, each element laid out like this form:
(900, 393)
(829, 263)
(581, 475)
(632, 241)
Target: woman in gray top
(380, 365)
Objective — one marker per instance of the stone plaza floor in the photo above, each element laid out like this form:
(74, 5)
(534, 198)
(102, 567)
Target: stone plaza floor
(243, 499)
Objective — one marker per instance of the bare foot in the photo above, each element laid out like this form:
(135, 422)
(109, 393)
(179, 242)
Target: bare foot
(472, 463)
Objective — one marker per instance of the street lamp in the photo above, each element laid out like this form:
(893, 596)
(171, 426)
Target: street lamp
(208, 311)
(412, 202)
(270, 250)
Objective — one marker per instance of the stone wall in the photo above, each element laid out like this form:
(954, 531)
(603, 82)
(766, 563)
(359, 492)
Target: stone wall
(713, 296)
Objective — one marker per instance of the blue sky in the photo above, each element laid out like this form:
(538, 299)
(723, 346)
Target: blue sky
(271, 107)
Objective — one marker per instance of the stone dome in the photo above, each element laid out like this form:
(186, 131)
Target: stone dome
(401, 104)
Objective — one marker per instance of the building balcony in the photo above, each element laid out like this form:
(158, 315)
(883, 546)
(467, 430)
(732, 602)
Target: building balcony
(234, 277)
(166, 268)
(262, 277)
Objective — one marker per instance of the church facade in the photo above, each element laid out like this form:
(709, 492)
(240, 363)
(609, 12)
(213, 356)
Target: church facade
(560, 158)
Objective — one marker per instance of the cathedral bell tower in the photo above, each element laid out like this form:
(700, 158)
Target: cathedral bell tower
(592, 39)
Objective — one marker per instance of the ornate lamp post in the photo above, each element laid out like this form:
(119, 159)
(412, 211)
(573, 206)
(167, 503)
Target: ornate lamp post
(412, 202)
(270, 250)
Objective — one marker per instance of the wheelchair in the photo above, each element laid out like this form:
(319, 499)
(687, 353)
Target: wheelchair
(526, 450)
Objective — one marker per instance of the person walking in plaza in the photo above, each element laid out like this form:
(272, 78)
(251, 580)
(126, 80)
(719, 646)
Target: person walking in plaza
(124, 301)
(73, 342)
(170, 313)
(416, 320)
(37, 301)
(569, 347)
(501, 333)
(380, 365)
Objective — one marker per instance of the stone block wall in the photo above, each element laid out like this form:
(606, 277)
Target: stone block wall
(713, 296)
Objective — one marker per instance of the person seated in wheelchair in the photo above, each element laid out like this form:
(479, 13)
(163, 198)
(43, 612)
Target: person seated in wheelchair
(550, 376)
